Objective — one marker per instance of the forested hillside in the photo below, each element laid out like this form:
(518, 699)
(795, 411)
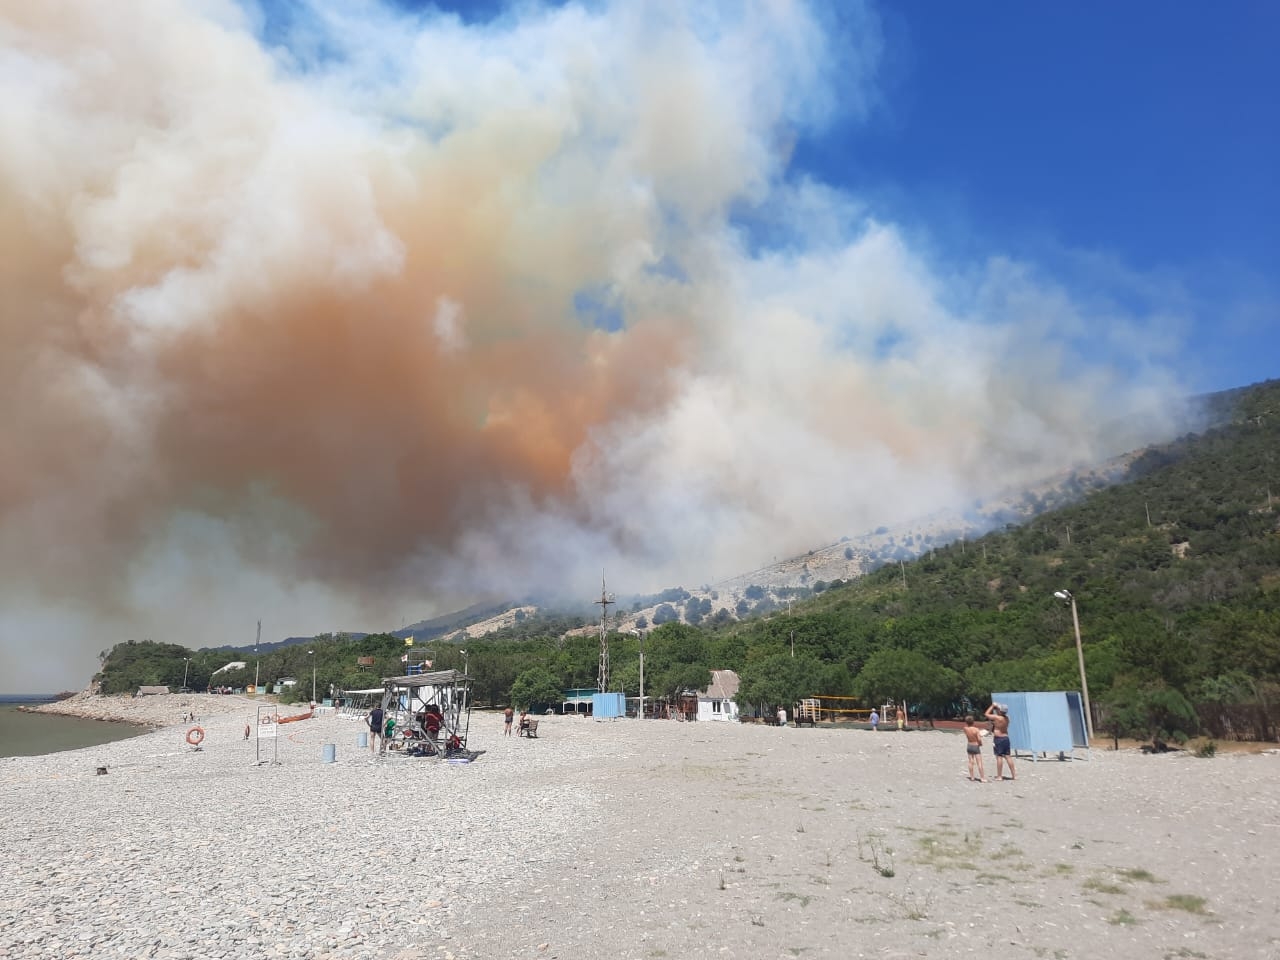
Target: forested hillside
(1175, 570)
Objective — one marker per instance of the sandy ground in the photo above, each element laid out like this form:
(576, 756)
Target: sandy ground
(758, 842)
(662, 839)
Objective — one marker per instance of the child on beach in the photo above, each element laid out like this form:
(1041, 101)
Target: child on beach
(973, 747)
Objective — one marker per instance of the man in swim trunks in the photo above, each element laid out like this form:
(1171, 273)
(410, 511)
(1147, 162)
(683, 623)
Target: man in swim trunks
(998, 714)
(973, 747)
(507, 716)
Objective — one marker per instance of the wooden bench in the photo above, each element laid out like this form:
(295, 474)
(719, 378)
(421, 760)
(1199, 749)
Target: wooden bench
(528, 728)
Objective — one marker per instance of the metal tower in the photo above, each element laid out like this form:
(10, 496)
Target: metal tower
(606, 598)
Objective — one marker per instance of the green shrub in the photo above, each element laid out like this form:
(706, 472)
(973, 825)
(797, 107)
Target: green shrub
(1207, 749)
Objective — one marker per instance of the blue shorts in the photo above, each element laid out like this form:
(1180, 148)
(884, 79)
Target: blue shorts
(1001, 746)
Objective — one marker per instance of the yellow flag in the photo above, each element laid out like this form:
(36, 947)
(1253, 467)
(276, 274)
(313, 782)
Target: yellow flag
(408, 641)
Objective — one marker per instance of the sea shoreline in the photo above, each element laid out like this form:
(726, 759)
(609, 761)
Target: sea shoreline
(151, 712)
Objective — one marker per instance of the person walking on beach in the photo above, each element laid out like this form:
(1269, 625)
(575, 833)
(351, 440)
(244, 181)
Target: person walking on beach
(875, 720)
(376, 736)
(973, 747)
(998, 714)
(507, 716)
(246, 731)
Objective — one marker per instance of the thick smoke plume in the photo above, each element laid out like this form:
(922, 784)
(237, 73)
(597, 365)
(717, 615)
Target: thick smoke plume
(338, 321)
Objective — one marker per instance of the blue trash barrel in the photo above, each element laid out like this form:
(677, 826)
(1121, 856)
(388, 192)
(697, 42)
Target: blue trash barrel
(329, 753)
(363, 741)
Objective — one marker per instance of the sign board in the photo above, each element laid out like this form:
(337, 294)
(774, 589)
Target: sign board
(266, 728)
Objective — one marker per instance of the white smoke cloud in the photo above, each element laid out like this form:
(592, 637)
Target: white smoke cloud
(226, 403)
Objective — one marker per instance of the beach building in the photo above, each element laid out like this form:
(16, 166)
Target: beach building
(716, 702)
(578, 700)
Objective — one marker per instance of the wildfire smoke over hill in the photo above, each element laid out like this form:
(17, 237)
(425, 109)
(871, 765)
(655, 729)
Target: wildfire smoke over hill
(358, 310)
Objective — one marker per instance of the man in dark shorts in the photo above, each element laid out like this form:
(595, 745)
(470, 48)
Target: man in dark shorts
(376, 736)
(998, 714)
(973, 748)
(507, 717)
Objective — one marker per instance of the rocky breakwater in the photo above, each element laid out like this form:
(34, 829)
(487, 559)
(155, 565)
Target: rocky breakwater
(159, 710)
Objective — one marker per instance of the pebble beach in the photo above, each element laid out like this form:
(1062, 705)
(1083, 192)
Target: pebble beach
(625, 839)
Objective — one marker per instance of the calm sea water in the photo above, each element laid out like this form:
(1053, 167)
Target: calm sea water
(28, 734)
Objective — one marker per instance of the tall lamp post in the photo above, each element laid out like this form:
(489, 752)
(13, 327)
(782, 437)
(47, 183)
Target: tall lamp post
(1066, 597)
(186, 666)
(313, 676)
(640, 710)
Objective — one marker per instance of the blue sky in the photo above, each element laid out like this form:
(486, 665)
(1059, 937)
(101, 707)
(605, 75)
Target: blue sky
(1145, 134)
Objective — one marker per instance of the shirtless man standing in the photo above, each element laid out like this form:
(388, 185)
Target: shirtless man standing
(998, 714)
(973, 747)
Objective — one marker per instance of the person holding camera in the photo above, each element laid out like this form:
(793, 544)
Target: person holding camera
(998, 714)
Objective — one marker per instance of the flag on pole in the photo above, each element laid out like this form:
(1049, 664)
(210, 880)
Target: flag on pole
(408, 641)
(405, 658)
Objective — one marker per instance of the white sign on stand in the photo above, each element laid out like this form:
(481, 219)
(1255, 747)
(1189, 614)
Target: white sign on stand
(267, 729)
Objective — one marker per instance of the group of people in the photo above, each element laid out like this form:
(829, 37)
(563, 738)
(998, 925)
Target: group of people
(899, 715)
(508, 717)
(430, 721)
(998, 714)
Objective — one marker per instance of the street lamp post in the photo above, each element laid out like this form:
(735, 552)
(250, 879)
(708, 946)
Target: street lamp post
(186, 666)
(1067, 597)
(313, 676)
(640, 710)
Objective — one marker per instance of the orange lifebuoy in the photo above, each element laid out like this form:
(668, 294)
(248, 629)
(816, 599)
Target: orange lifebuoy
(195, 735)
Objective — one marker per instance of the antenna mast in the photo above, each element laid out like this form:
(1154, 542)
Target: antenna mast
(606, 598)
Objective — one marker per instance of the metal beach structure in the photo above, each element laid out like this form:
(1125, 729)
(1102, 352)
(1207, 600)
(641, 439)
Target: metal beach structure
(429, 713)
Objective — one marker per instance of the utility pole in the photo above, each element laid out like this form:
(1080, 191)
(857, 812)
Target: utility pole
(640, 709)
(186, 666)
(313, 676)
(256, 641)
(1147, 507)
(1084, 684)
(605, 601)
(903, 567)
